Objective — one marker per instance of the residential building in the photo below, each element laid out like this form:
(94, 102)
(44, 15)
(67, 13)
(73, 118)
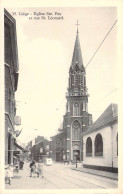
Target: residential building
(40, 150)
(11, 83)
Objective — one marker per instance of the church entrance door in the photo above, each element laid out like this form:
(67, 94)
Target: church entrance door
(76, 153)
(58, 158)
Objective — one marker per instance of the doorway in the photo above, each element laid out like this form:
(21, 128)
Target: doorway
(76, 156)
(58, 158)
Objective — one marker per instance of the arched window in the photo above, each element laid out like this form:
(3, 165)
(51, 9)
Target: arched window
(76, 80)
(76, 134)
(98, 145)
(117, 143)
(57, 145)
(84, 106)
(76, 109)
(89, 147)
(76, 130)
(72, 79)
(82, 81)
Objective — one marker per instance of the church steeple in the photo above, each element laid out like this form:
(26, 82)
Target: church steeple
(77, 74)
(77, 55)
(76, 119)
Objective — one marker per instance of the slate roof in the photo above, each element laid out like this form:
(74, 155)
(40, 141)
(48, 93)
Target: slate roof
(77, 55)
(108, 116)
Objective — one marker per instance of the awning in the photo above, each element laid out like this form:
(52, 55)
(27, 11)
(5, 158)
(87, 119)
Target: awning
(17, 154)
(18, 146)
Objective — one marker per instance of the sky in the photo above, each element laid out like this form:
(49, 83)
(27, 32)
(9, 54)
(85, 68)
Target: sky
(45, 49)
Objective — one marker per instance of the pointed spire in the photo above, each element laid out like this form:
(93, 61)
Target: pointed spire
(77, 56)
(77, 26)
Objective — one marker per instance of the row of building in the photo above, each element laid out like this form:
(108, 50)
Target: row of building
(96, 144)
(11, 66)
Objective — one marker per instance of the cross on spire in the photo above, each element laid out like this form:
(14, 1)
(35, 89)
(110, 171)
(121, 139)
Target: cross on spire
(77, 26)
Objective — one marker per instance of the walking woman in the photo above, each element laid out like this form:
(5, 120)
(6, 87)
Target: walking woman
(40, 169)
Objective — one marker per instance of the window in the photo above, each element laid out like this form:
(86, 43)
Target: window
(76, 130)
(76, 135)
(89, 147)
(72, 79)
(41, 150)
(76, 109)
(76, 80)
(98, 145)
(117, 143)
(81, 80)
(47, 147)
(84, 106)
(57, 145)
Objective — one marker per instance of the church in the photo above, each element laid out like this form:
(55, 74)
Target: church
(100, 142)
(68, 145)
(95, 144)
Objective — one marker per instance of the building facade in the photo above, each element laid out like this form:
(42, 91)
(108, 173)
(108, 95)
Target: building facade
(101, 142)
(11, 82)
(59, 147)
(40, 151)
(77, 120)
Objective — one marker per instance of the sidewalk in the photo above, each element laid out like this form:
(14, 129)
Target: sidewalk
(22, 180)
(97, 172)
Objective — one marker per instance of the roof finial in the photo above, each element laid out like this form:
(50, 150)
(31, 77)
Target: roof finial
(77, 26)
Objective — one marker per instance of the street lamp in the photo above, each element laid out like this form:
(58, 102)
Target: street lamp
(76, 154)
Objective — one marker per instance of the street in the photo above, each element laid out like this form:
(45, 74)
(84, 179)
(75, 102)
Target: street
(60, 176)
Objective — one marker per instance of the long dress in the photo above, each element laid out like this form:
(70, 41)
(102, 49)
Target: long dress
(9, 172)
(33, 169)
(40, 169)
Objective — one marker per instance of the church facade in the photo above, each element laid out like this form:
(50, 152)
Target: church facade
(68, 144)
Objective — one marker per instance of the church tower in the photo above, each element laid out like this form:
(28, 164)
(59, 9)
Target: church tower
(76, 119)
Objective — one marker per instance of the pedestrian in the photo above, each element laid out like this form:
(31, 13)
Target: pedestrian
(39, 170)
(9, 173)
(21, 165)
(32, 168)
(17, 166)
(41, 167)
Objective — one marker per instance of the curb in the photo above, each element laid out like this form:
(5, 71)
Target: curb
(114, 178)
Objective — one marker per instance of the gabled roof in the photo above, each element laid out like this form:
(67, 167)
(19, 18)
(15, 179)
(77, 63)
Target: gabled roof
(108, 116)
(77, 56)
(60, 135)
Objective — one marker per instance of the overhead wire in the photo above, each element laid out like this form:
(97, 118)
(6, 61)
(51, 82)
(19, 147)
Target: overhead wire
(100, 44)
(94, 55)
(106, 95)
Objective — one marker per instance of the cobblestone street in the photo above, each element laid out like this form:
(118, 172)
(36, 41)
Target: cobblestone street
(60, 176)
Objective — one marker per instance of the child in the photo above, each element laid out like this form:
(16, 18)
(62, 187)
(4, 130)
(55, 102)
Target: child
(9, 173)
